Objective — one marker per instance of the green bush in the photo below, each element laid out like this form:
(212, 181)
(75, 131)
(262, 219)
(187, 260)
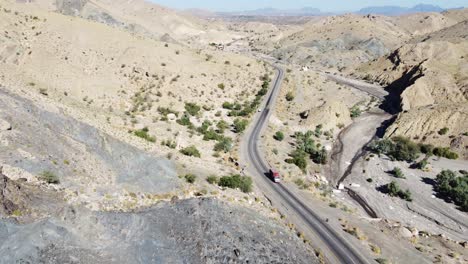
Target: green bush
(143, 133)
(393, 189)
(355, 111)
(224, 144)
(289, 96)
(236, 181)
(49, 177)
(185, 120)
(221, 86)
(400, 148)
(191, 151)
(279, 136)
(443, 131)
(192, 108)
(240, 125)
(298, 158)
(190, 178)
(427, 149)
(222, 125)
(422, 164)
(445, 153)
(212, 179)
(453, 187)
(398, 173)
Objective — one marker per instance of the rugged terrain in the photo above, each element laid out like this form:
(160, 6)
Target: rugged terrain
(197, 231)
(428, 77)
(117, 119)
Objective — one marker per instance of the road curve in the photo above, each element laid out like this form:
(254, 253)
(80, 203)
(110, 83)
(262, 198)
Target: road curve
(336, 250)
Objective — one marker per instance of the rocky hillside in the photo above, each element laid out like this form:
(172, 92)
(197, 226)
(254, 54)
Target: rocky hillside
(430, 73)
(36, 226)
(139, 17)
(118, 82)
(340, 41)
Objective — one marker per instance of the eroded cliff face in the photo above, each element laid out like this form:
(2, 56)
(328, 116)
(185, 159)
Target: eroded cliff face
(430, 75)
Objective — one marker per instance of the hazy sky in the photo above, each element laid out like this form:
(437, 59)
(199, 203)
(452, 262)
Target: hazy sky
(324, 5)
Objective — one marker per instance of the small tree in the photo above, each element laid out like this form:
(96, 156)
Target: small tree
(279, 136)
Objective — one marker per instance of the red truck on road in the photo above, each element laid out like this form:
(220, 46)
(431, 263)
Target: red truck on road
(274, 175)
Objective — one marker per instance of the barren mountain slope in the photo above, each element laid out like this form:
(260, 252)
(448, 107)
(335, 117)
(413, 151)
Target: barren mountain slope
(119, 84)
(432, 73)
(140, 17)
(425, 23)
(340, 41)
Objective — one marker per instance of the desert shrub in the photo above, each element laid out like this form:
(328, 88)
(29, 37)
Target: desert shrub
(320, 156)
(190, 178)
(453, 187)
(236, 181)
(185, 120)
(143, 133)
(240, 125)
(211, 135)
(279, 136)
(221, 86)
(224, 144)
(222, 125)
(443, 131)
(421, 165)
(426, 149)
(290, 96)
(398, 173)
(49, 177)
(169, 143)
(445, 153)
(191, 151)
(298, 158)
(399, 148)
(355, 111)
(393, 189)
(192, 108)
(212, 179)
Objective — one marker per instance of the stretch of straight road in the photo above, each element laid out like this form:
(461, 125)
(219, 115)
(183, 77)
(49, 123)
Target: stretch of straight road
(334, 247)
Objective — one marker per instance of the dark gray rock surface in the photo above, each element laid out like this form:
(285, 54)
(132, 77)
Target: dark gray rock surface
(202, 230)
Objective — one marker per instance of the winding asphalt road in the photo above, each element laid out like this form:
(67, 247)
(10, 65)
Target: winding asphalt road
(334, 247)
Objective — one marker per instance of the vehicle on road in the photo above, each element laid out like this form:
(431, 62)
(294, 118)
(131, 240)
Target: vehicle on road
(274, 175)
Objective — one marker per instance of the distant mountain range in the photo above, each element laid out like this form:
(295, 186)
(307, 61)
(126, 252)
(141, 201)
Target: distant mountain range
(310, 11)
(306, 11)
(398, 10)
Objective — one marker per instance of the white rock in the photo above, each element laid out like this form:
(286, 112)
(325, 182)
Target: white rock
(171, 117)
(404, 232)
(4, 125)
(341, 186)
(355, 185)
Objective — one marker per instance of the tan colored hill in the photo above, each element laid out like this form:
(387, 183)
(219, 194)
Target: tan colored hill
(432, 72)
(140, 17)
(115, 81)
(340, 41)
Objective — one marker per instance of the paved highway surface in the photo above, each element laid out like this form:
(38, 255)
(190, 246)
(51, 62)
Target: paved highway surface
(334, 247)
